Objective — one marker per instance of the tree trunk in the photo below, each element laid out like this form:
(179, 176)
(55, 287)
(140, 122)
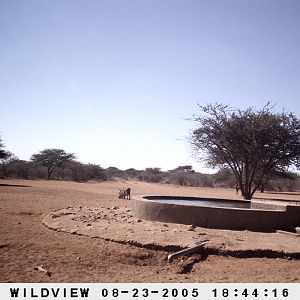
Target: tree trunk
(247, 192)
(247, 196)
(49, 173)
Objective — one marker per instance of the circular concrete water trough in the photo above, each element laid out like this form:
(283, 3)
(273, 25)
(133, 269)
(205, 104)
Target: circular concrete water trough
(215, 213)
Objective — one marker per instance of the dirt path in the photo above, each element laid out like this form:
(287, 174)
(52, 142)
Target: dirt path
(26, 243)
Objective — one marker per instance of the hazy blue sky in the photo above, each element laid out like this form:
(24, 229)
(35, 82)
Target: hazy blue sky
(113, 81)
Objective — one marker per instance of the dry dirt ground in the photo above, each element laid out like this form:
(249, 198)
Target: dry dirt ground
(82, 232)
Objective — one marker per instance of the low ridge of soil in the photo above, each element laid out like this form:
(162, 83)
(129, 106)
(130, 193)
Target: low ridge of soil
(91, 236)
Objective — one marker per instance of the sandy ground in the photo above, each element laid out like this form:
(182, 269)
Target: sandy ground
(81, 232)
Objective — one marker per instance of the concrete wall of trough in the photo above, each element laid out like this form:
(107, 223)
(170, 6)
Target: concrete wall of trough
(216, 217)
(267, 206)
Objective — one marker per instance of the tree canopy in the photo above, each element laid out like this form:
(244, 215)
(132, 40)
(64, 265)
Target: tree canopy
(253, 143)
(183, 169)
(3, 153)
(52, 159)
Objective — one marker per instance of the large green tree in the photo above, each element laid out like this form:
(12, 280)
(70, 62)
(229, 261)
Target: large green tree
(52, 159)
(253, 143)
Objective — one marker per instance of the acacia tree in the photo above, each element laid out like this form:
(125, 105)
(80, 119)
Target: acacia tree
(5, 162)
(253, 143)
(52, 159)
(183, 169)
(3, 153)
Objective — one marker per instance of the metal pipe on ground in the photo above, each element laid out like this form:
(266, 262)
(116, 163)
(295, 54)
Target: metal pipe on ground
(288, 232)
(190, 250)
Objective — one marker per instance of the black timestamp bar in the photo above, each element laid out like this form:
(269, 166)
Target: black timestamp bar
(150, 291)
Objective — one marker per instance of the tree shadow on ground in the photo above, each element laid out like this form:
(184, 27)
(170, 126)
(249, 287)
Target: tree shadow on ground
(14, 185)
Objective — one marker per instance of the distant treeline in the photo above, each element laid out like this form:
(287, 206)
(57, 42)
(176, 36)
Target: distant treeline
(56, 164)
(183, 175)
